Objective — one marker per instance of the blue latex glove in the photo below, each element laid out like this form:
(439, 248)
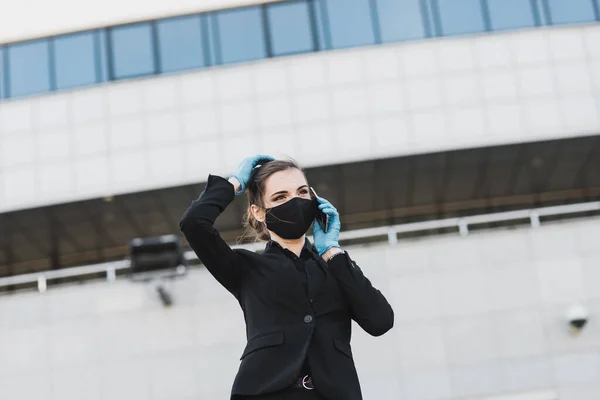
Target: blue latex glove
(246, 167)
(326, 240)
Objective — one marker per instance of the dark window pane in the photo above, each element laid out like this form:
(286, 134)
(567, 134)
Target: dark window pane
(289, 28)
(511, 14)
(460, 16)
(240, 34)
(571, 11)
(132, 53)
(75, 60)
(28, 68)
(400, 20)
(180, 44)
(350, 23)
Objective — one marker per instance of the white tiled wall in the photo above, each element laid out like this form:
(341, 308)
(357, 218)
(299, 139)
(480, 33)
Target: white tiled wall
(478, 316)
(325, 108)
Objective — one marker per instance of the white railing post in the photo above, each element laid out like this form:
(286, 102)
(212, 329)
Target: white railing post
(111, 274)
(42, 284)
(392, 236)
(534, 218)
(463, 227)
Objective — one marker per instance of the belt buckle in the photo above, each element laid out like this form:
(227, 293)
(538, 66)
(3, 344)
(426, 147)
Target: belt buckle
(306, 381)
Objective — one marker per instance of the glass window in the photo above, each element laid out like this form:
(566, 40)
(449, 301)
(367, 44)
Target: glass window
(290, 30)
(350, 23)
(132, 50)
(28, 68)
(459, 16)
(180, 44)
(570, 11)
(75, 60)
(400, 20)
(511, 14)
(240, 35)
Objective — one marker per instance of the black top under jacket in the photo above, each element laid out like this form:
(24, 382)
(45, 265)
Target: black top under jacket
(286, 324)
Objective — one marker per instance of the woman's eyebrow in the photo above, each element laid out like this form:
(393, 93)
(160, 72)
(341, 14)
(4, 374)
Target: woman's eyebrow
(285, 191)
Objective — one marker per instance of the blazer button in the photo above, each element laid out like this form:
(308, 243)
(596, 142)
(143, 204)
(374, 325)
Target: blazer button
(308, 319)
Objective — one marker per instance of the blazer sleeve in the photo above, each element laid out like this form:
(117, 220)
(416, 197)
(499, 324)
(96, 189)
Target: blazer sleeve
(197, 226)
(369, 308)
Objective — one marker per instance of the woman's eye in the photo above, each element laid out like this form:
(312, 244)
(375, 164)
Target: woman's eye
(304, 191)
(279, 198)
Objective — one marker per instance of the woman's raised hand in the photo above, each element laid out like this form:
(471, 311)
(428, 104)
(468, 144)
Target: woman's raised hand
(327, 240)
(246, 167)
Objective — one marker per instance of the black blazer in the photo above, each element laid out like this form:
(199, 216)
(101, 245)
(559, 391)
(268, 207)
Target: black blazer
(284, 325)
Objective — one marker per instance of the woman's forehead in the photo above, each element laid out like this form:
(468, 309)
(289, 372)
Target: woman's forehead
(289, 180)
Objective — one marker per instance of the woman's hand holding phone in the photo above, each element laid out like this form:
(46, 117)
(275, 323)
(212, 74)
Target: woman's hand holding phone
(326, 240)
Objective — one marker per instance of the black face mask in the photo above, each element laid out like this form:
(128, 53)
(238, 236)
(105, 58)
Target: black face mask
(292, 219)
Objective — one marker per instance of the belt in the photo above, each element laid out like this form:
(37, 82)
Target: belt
(304, 383)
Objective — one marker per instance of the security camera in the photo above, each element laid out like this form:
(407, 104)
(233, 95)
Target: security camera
(577, 316)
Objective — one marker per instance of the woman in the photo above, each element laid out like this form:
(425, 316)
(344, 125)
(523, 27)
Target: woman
(298, 299)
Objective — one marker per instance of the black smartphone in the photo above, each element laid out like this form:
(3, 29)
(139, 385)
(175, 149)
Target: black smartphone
(322, 218)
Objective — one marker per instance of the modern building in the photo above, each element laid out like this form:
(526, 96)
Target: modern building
(112, 116)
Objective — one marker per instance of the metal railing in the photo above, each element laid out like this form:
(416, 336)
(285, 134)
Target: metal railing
(462, 224)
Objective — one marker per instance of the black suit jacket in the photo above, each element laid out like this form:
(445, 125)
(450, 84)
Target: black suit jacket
(285, 325)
